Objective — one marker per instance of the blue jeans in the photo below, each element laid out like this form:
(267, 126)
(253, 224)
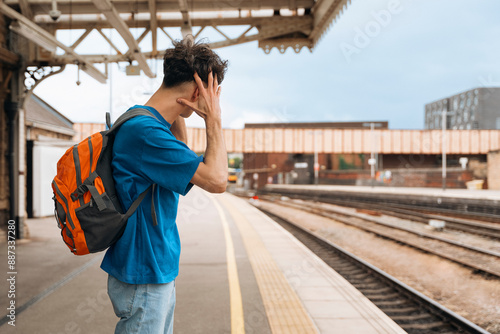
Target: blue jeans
(142, 308)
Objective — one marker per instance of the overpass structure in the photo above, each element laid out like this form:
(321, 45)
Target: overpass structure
(349, 141)
(336, 141)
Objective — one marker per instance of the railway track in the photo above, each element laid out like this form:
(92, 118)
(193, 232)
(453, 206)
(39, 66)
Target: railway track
(479, 260)
(413, 311)
(487, 227)
(483, 228)
(475, 210)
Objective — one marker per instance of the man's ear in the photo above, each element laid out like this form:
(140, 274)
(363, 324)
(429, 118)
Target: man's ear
(196, 94)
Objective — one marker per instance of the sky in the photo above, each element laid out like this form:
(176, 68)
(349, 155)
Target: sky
(382, 60)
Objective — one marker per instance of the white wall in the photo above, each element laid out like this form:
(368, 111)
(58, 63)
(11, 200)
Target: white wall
(45, 157)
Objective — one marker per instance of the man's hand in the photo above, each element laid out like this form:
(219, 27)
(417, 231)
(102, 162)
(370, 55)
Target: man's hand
(211, 174)
(208, 105)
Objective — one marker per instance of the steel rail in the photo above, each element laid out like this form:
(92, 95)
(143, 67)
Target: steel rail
(473, 209)
(410, 322)
(409, 212)
(471, 265)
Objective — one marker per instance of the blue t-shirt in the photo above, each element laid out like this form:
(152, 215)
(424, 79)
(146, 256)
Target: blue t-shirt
(146, 152)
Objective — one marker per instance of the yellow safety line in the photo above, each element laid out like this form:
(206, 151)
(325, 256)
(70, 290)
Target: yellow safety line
(284, 309)
(237, 318)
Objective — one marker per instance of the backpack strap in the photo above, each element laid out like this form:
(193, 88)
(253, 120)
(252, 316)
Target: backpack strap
(153, 210)
(119, 122)
(128, 115)
(138, 201)
(108, 120)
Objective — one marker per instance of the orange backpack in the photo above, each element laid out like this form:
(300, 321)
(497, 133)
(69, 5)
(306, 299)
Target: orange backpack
(87, 208)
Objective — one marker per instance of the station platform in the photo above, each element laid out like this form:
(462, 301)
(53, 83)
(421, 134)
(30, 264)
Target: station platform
(240, 272)
(480, 194)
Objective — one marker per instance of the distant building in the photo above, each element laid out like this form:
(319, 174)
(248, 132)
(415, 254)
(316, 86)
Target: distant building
(42, 120)
(471, 110)
(48, 135)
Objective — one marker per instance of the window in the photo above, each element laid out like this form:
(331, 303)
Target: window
(462, 100)
(466, 116)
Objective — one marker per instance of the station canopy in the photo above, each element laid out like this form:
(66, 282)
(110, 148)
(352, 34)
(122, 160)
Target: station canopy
(273, 23)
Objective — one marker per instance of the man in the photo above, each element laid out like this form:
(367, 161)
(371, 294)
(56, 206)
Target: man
(144, 263)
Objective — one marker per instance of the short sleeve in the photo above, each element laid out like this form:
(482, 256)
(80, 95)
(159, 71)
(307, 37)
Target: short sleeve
(167, 161)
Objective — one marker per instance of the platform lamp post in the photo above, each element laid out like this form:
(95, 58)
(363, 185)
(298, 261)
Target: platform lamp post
(443, 141)
(373, 161)
(316, 162)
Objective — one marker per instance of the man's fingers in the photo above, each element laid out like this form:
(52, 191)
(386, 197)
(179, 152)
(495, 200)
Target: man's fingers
(216, 82)
(198, 81)
(210, 82)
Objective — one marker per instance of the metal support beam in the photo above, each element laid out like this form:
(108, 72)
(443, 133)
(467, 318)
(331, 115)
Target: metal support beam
(114, 18)
(220, 32)
(26, 9)
(109, 41)
(8, 57)
(41, 37)
(85, 7)
(153, 26)
(268, 32)
(187, 27)
(98, 23)
(81, 38)
(166, 33)
(264, 33)
(143, 35)
(199, 32)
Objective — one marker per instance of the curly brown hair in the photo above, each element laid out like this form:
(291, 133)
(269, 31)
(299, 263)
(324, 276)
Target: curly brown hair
(187, 57)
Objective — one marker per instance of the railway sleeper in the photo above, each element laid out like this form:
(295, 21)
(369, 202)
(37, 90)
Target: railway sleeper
(425, 326)
(380, 297)
(379, 290)
(385, 303)
(401, 310)
(355, 273)
(411, 317)
(340, 267)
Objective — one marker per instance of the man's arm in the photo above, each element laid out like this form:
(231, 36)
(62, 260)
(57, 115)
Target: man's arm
(211, 174)
(179, 130)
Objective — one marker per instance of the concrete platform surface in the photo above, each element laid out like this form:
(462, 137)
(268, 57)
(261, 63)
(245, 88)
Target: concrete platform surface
(434, 192)
(240, 272)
